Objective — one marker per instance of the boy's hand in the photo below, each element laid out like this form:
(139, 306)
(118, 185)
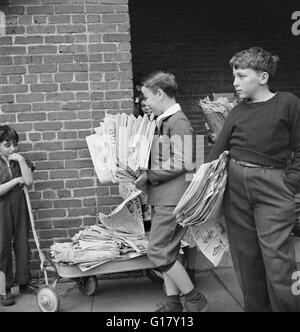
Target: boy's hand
(142, 180)
(20, 180)
(16, 157)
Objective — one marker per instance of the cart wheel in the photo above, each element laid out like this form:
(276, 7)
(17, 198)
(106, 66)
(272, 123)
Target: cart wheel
(48, 299)
(88, 285)
(154, 276)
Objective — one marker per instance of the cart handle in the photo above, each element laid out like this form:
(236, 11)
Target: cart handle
(44, 261)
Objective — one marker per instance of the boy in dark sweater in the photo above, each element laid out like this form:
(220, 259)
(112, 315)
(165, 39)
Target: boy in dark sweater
(261, 133)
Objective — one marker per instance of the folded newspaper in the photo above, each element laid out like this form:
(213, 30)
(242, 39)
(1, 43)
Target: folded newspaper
(120, 149)
(118, 236)
(203, 198)
(216, 112)
(200, 209)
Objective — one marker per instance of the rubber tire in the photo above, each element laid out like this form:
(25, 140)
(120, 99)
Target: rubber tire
(88, 285)
(48, 299)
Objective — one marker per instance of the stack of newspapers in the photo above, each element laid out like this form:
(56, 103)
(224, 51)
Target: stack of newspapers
(202, 200)
(216, 112)
(120, 149)
(97, 245)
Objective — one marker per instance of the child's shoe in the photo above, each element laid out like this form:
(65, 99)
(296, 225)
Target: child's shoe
(7, 299)
(195, 302)
(199, 305)
(169, 307)
(28, 289)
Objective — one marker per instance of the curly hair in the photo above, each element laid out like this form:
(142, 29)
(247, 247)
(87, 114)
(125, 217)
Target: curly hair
(257, 59)
(8, 134)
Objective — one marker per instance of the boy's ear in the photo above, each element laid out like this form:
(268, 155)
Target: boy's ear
(160, 93)
(264, 78)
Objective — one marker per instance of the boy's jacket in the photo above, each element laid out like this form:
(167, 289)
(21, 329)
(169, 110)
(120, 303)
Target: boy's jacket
(171, 160)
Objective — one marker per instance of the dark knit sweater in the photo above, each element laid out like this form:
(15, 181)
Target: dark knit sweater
(265, 133)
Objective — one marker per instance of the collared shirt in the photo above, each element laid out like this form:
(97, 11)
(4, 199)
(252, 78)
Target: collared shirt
(11, 170)
(169, 112)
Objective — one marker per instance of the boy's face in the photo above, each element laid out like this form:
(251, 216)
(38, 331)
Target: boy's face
(8, 148)
(247, 82)
(153, 101)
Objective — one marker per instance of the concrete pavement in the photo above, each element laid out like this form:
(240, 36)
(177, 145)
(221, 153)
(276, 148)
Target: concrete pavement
(139, 295)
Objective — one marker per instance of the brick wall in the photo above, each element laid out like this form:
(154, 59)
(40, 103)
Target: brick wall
(196, 40)
(63, 65)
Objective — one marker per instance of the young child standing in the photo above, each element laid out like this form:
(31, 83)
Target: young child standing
(15, 172)
(167, 182)
(261, 133)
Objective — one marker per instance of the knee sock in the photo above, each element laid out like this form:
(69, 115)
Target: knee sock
(193, 295)
(174, 303)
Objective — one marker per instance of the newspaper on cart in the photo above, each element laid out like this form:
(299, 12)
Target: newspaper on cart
(200, 209)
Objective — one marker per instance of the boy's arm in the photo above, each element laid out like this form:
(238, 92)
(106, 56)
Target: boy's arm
(6, 187)
(180, 153)
(25, 169)
(292, 178)
(222, 142)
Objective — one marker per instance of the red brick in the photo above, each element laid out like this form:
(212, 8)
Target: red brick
(60, 96)
(49, 136)
(59, 19)
(63, 155)
(89, 202)
(7, 118)
(40, 10)
(69, 9)
(77, 125)
(76, 106)
(29, 98)
(67, 223)
(40, 30)
(64, 174)
(44, 146)
(8, 70)
(49, 59)
(115, 18)
(35, 156)
(86, 192)
(42, 49)
(62, 116)
(73, 68)
(79, 183)
(6, 99)
(16, 108)
(54, 233)
(64, 193)
(52, 68)
(74, 86)
(30, 117)
(43, 88)
(77, 164)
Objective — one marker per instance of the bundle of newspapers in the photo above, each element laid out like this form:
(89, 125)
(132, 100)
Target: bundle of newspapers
(120, 149)
(96, 245)
(200, 210)
(203, 198)
(117, 236)
(216, 112)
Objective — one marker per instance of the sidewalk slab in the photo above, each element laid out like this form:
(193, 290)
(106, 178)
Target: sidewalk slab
(219, 298)
(228, 278)
(128, 295)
